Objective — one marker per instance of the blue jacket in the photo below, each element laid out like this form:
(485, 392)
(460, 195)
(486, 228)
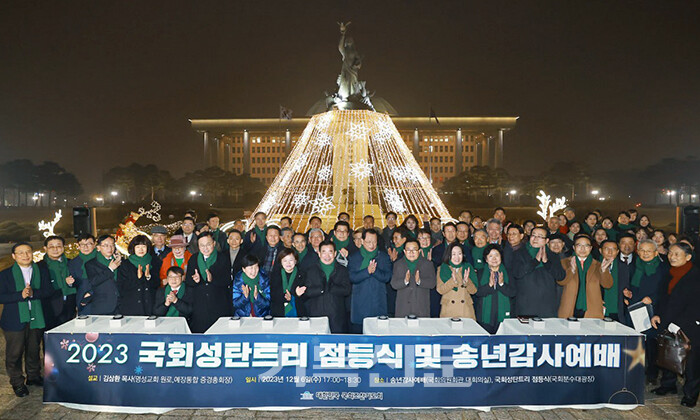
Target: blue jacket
(369, 296)
(241, 304)
(9, 298)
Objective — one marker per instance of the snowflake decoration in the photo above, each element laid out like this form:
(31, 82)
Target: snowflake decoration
(300, 163)
(64, 344)
(324, 174)
(384, 132)
(267, 204)
(300, 199)
(91, 367)
(394, 201)
(325, 120)
(152, 213)
(357, 131)
(321, 204)
(404, 173)
(138, 370)
(361, 169)
(323, 139)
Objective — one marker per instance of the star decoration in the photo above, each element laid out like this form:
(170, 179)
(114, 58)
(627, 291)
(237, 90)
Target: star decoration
(637, 355)
(301, 162)
(404, 173)
(324, 120)
(324, 174)
(323, 139)
(91, 367)
(64, 344)
(361, 169)
(138, 370)
(300, 199)
(357, 131)
(394, 201)
(321, 204)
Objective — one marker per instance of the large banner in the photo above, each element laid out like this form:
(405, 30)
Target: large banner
(198, 371)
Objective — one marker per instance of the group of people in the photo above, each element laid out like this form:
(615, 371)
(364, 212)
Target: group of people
(484, 269)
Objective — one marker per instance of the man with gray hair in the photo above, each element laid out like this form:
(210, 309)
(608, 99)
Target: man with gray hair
(494, 228)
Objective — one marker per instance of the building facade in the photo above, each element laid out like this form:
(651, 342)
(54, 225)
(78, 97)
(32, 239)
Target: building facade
(260, 146)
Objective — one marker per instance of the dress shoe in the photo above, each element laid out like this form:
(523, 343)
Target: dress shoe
(36, 381)
(20, 391)
(664, 390)
(687, 402)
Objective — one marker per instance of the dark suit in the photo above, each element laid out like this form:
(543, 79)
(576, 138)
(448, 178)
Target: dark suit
(102, 286)
(20, 339)
(211, 300)
(136, 295)
(327, 298)
(75, 268)
(166, 250)
(58, 309)
(536, 287)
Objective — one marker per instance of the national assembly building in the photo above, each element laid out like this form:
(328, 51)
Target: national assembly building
(259, 146)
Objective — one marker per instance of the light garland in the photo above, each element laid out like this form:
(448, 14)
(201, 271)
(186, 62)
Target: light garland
(548, 210)
(352, 161)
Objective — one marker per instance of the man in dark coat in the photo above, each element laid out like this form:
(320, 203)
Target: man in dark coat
(209, 276)
(22, 286)
(388, 231)
(327, 284)
(370, 272)
(76, 266)
(60, 306)
(267, 253)
(449, 231)
(613, 297)
(188, 231)
(99, 295)
(175, 299)
(515, 235)
(235, 251)
(535, 273)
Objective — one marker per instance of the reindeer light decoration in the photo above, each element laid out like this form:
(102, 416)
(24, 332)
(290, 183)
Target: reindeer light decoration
(547, 208)
(48, 226)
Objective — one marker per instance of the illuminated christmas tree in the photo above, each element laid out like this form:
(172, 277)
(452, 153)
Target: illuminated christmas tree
(350, 161)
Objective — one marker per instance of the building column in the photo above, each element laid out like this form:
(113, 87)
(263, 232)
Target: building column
(227, 157)
(416, 145)
(287, 143)
(220, 154)
(205, 161)
(498, 150)
(246, 152)
(458, 152)
(478, 153)
(486, 152)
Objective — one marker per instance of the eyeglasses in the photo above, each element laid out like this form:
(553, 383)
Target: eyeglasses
(582, 246)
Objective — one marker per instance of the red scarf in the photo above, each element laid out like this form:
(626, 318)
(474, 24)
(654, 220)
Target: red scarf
(677, 273)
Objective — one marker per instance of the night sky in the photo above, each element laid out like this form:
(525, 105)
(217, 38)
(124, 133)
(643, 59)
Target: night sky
(97, 84)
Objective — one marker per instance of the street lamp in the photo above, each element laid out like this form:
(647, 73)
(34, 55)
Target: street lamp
(192, 194)
(595, 192)
(114, 193)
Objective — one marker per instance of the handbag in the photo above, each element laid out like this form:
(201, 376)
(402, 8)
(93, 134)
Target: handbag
(673, 351)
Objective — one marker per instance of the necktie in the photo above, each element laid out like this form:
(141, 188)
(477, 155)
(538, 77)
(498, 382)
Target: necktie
(624, 259)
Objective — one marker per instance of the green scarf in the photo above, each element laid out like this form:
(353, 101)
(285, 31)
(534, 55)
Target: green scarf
(302, 254)
(144, 261)
(610, 296)
(533, 253)
(287, 281)
(327, 269)
(412, 234)
(424, 251)
(59, 271)
(581, 301)
(399, 249)
(261, 234)
(172, 310)
(624, 228)
(487, 301)
(205, 265)
(215, 233)
(251, 283)
(340, 244)
(104, 261)
(412, 266)
(367, 257)
(612, 234)
(642, 268)
(586, 229)
(35, 314)
(85, 258)
(478, 257)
